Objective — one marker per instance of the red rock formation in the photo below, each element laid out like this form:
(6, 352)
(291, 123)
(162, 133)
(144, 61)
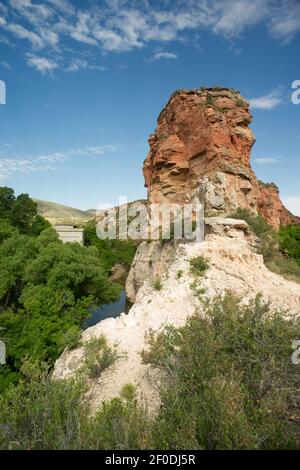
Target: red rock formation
(201, 148)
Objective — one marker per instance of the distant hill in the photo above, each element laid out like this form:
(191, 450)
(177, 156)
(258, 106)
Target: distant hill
(60, 214)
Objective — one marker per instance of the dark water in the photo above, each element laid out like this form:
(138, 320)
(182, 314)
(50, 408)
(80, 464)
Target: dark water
(112, 310)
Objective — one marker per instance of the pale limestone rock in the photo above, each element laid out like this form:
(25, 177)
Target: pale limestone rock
(233, 265)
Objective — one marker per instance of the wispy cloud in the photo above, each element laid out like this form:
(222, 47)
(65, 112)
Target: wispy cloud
(42, 64)
(270, 101)
(284, 23)
(293, 204)
(82, 64)
(165, 55)
(49, 162)
(6, 65)
(267, 160)
(125, 25)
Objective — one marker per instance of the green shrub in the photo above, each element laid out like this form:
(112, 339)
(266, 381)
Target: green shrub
(229, 381)
(228, 384)
(280, 250)
(128, 392)
(289, 240)
(42, 414)
(157, 284)
(99, 356)
(209, 100)
(70, 339)
(179, 273)
(197, 289)
(199, 265)
(256, 222)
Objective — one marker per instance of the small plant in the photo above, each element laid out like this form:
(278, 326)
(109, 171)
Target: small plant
(157, 284)
(209, 100)
(199, 265)
(71, 338)
(241, 103)
(198, 291)
(179, 273)
(128, 392)
(99, 356)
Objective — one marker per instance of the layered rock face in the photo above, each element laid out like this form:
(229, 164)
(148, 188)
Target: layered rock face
(201, 148)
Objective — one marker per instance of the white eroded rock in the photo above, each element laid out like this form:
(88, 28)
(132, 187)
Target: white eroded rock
(233, 265)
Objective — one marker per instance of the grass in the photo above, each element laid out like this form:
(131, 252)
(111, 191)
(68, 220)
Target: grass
(199, 265)
(157, 284)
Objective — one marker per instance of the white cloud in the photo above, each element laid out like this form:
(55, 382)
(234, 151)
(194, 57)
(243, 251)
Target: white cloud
(125, 25)
(267, 160)
(270, 101)
(95, 150)
(42, 64)
(293, 204)
(237, 15)
(64, 6)
(82, 64)
(284, 24)
(81, 31)
(165, 55)
(23, 33)
(17, 165)
(6, 65)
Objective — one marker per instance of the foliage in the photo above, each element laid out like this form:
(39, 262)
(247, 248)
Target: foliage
(179, 273)
(99, 356)
(229, 379)
(110, 251)
(289, 240)
(40, 413)
(46, 289)
(20, 212)
(280, 250)
(228, 384)
(199, 265)
(255, 221)
(157, 284)
(6, 230)
(7, 199)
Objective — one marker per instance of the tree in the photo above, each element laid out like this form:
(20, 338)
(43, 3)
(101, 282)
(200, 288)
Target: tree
(23, 213)
(7, 199)
(46, 291)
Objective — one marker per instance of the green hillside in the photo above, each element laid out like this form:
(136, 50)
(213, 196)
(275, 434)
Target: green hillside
(58, 213)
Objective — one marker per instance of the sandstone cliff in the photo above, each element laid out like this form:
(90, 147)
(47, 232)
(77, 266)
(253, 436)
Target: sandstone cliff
(201, 147)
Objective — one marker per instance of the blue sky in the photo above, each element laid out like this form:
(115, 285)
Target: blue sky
(86, 80)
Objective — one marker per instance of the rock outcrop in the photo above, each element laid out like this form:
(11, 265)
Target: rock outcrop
(201, 147)
(152, 260)
(233, 265)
